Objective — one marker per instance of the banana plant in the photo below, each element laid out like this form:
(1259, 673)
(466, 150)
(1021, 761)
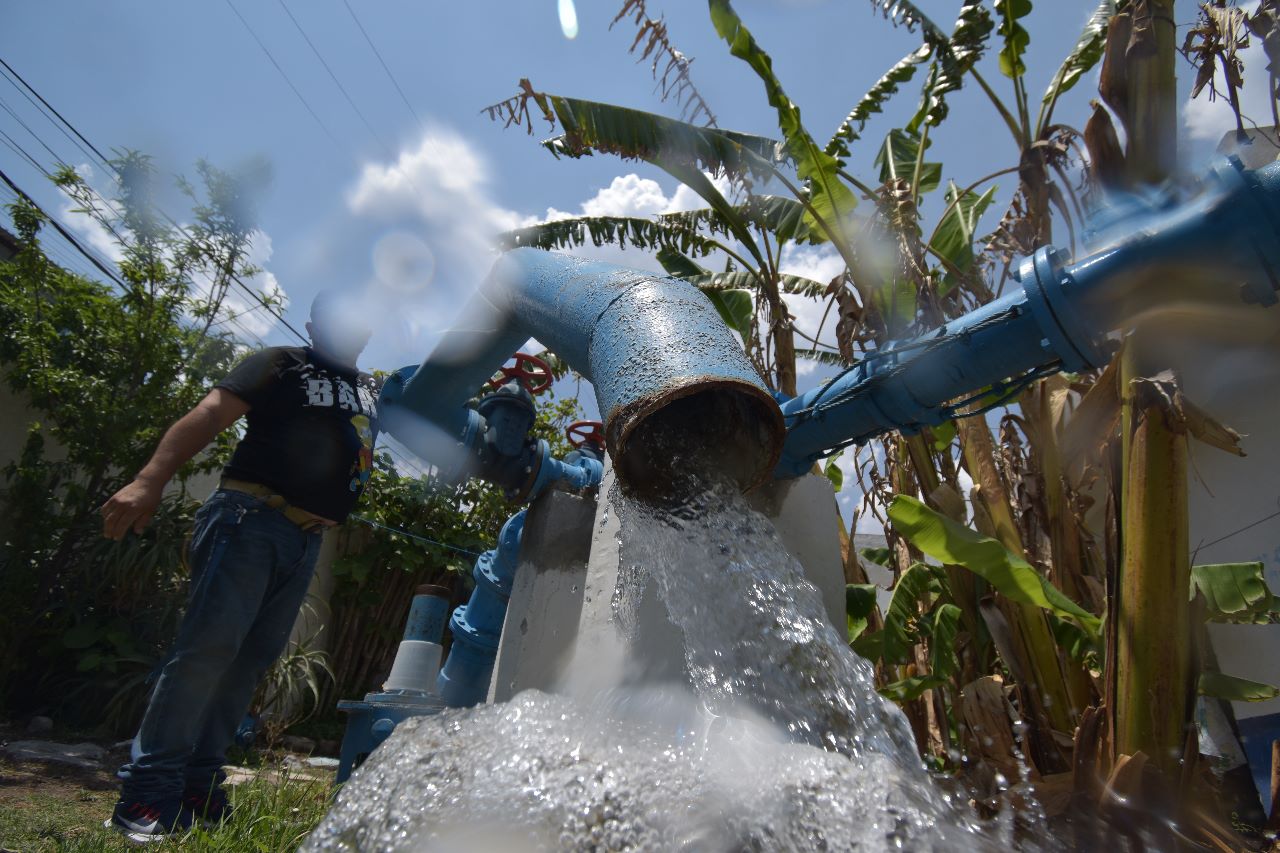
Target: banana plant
(731, 248)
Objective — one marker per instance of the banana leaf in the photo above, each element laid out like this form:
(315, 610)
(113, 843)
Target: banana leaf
(831, 199)
(954, 544)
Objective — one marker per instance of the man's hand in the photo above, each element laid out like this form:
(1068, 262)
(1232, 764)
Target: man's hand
(131, 507)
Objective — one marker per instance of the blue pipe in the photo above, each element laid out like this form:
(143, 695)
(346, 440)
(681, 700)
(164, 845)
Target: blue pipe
(427, 616)
(644, 341)
(477, 625)
(1055, 321)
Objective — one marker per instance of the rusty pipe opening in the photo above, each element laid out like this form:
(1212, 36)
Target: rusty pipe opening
(714, 424)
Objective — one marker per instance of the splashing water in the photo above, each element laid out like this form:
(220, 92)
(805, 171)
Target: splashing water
(778, 741)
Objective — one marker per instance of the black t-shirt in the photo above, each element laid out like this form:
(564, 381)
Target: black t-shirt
(311, 427)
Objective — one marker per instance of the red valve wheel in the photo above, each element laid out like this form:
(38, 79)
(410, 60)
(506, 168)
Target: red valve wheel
(529, 370)
(585, 432)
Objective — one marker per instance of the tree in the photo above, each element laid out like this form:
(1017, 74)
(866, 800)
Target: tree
(106, 368)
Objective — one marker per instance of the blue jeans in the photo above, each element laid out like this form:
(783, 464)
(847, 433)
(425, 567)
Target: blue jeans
(250, 568)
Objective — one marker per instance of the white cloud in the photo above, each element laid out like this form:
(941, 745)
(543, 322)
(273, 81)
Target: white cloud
(444, 184)
(632, 195)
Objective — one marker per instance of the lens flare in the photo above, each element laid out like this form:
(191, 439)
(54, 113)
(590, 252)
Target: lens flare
(568, 19)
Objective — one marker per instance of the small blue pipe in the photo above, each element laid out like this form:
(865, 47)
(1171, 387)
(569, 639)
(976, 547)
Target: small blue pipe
(426, 619)
(477, 625)
(1055, 321)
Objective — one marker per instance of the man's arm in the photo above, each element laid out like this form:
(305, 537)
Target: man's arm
(133, 506)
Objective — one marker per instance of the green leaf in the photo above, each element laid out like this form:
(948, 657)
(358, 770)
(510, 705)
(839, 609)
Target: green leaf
(897, 160)
(900, 620)
(871, 103)
(834, 474)
(954, 56)
(912, 688)
(781, 216)
(1233, 592)
(944, 627)
(89, 662)
(953, 238)
(736, 308)
(1085, 55)
(870, 646)
(831, 199)
(954, 544)
(1235, 689)
(1078, 643)
(879, 556)
(83, 635)
(1016, 38)
(943, 434)
(679, 265)
(708, 281)
(591, 126)
(612, 230)
(859, 602)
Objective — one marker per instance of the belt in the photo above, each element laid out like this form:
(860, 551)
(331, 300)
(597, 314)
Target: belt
(308, 521)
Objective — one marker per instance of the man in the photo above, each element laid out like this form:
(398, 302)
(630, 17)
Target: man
(305, 456)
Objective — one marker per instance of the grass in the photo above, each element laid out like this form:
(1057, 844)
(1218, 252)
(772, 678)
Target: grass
(44, 810)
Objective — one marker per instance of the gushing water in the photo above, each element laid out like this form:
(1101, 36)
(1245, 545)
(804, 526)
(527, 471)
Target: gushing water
(777, 741)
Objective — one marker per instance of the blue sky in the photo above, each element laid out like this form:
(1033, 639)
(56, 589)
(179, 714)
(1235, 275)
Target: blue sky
(412, 203)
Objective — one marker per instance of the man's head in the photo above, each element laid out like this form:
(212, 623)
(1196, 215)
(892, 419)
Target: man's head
(338, 328)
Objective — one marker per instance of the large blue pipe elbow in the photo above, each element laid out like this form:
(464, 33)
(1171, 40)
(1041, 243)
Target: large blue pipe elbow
(646, 342)
(1056, 320)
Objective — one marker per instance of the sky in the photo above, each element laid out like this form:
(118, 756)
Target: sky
(392, 182)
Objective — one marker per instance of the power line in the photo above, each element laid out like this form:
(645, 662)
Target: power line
(332, 76)
(64, 232)
(323, 126)
(49, 106)
(111, 169)
(21, 152)
(385, 68)
(5, 106)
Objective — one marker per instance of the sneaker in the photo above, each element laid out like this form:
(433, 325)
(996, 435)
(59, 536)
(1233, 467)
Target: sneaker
(210, 808)
(143, 822)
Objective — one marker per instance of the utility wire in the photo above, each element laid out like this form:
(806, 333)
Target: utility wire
(113, 171)
(303, 100)
(332, 76)
(1235, 533)
(383, 62)
(5, 106)
(21, 152)
(23, 90)
(386, 149)
(405, 533)
(64, 232)
(49, 106)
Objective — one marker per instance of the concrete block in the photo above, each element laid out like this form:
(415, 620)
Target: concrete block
(546, 596)
(805, 512)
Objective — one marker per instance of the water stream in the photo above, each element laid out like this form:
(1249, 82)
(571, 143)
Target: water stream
(776, 740)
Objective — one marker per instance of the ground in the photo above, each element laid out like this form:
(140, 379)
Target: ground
(47, 807)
